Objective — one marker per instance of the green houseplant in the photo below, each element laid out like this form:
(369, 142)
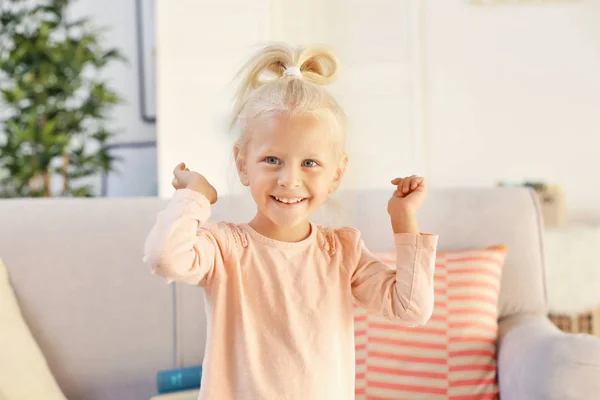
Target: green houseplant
(54, 102)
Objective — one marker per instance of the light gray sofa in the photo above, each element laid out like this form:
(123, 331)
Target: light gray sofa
(106, 325)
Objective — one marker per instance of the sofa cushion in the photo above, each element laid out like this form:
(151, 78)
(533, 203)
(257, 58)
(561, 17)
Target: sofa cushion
(24, 373)
(453, 356)
(181, 395)
(104, 324)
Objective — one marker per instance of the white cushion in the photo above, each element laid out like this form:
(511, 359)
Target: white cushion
(181, 395)
(24, 373)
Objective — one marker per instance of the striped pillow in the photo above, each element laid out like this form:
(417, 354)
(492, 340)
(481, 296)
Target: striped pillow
(453, 356)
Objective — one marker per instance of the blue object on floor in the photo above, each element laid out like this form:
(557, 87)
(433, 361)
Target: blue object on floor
(173, 380)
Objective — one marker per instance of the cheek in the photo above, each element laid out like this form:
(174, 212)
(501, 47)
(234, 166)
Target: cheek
(259, 177)
(323, 181)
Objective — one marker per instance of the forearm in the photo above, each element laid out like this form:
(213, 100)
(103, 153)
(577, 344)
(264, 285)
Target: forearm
(415, 264)
(173, 249)
(404, 293)
(405, 223)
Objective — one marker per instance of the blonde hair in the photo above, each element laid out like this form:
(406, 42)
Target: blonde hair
(267, 90)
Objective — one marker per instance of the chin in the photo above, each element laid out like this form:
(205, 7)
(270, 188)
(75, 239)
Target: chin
(287, 222)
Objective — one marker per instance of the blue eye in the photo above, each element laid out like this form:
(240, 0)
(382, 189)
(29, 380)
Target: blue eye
(272, 160)
(309, 163)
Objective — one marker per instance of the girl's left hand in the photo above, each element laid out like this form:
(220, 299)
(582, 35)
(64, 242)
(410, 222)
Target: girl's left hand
(409, 196)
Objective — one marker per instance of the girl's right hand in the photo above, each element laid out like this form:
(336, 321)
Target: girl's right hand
(183, 178)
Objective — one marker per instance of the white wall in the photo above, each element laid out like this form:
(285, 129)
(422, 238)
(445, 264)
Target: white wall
(513, 93)
(468, 95)
(201, 45)
(375, 87)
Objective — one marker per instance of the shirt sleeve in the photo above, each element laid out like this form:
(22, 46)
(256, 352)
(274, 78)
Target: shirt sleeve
(182, 247)
(403, 293)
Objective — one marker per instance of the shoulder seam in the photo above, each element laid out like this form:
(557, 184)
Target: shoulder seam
(328, 240)
(346, 230)
(237, 234)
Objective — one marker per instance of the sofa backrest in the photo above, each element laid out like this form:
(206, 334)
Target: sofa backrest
(106, 325)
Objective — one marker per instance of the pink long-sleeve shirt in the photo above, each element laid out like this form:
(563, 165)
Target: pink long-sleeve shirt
(280, 314)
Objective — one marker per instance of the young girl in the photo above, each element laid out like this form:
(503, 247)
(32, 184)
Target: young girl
(280, 289)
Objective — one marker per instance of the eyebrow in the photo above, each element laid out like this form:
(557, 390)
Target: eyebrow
(315, 156)
(275, 152)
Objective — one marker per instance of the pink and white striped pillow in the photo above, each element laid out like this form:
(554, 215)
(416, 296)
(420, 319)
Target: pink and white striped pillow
(453, 356)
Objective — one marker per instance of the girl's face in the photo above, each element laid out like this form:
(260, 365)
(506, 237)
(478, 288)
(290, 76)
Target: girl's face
(291, 165)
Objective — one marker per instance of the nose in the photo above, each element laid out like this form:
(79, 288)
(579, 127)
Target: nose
(289, 177)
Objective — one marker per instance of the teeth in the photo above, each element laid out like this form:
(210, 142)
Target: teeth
(289, 201)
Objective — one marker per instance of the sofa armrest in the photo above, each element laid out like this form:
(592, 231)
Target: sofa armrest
(182, 395)
(536, 360)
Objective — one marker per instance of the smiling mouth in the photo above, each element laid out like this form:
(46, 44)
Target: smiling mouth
(291, 201)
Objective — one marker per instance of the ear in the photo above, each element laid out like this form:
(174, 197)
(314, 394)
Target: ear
(341, 170)
(240, 164)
